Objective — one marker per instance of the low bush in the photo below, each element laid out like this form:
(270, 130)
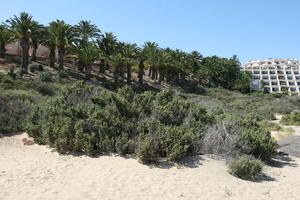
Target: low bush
(15, 105)
(87, 119)
(291, 119)
(22, 72)
(45, 76)
(33, 67)
(245, 167)
(62, 74)
(253, 139)
(11, 72)
(146, 150)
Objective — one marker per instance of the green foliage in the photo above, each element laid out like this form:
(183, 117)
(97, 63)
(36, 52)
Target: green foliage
(253, 139)
(11, 72)
(62, 74)
(146, 150)
(14, 107)
(22, 72)
(245, 167)
(8, 82)
(270, 126)
(45, 76)
(86, 119)
(33, 67)
(291, 119)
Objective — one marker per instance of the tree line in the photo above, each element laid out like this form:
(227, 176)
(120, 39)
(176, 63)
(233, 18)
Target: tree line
(90, 44)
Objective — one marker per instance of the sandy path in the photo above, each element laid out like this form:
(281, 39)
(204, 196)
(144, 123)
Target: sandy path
(34, 172)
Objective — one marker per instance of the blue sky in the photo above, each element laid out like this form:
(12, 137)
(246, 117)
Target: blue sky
(251, 29)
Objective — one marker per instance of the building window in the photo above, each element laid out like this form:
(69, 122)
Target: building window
(296, 72)
(291, 83)
(298, 83)
(274, 83)
(275, 89)
(266, 83)
(273, 77)
(288, 72)
(256, 77)
(293, 89)
(256, 72)
(264, 72)
(290, 77)
(298, 77)
(265, 77)
(272, 72)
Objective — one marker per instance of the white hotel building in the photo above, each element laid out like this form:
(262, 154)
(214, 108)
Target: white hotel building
(275, 75)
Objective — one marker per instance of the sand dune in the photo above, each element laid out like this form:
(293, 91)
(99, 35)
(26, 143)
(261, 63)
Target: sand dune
(34, 172)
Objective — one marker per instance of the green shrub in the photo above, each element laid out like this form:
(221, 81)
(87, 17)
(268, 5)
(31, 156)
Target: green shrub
(62, 74)
(245, 167)
(15, 105)
(291, 119)
(146, 150)
(33, 67)
(22, 71)
(41, 87)
(8, 82)
(11, 72)
(83, 118)
(253, 139)
(270, 126)
(45, 76)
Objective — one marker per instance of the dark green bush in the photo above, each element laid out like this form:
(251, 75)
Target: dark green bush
(291, 119)
(45, 76)
(255, 140)
(41, 87)
(245, 167)
(14, 107)
(22, 72)
(62, 74)
(8, 82)
(87, 119)
(33, 67)
(147, 150)
(11, 72)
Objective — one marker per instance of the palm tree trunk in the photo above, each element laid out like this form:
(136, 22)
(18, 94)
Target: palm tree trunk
(160, 77)
(88, 71)
(128, 74)
(153, 74)
(34, 53)
(116, 75)
(25, 55)
(102, 67)
(2, 50)
(141, 72)
(150, 70)
(61, 53)
(52, 58)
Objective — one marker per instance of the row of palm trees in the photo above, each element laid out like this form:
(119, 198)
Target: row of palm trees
(89, 44)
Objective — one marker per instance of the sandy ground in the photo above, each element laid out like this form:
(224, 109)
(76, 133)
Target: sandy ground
(35, 172)
(281, 134)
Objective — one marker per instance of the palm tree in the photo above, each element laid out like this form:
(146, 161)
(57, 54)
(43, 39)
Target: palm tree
(150, 50)
(49, 41)
(64, 37)
(130, 52)
(118, 61)
(86, 32)
(5, 38)
(37, 34)
(109, 46)
(21, 28)
(87, 55)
